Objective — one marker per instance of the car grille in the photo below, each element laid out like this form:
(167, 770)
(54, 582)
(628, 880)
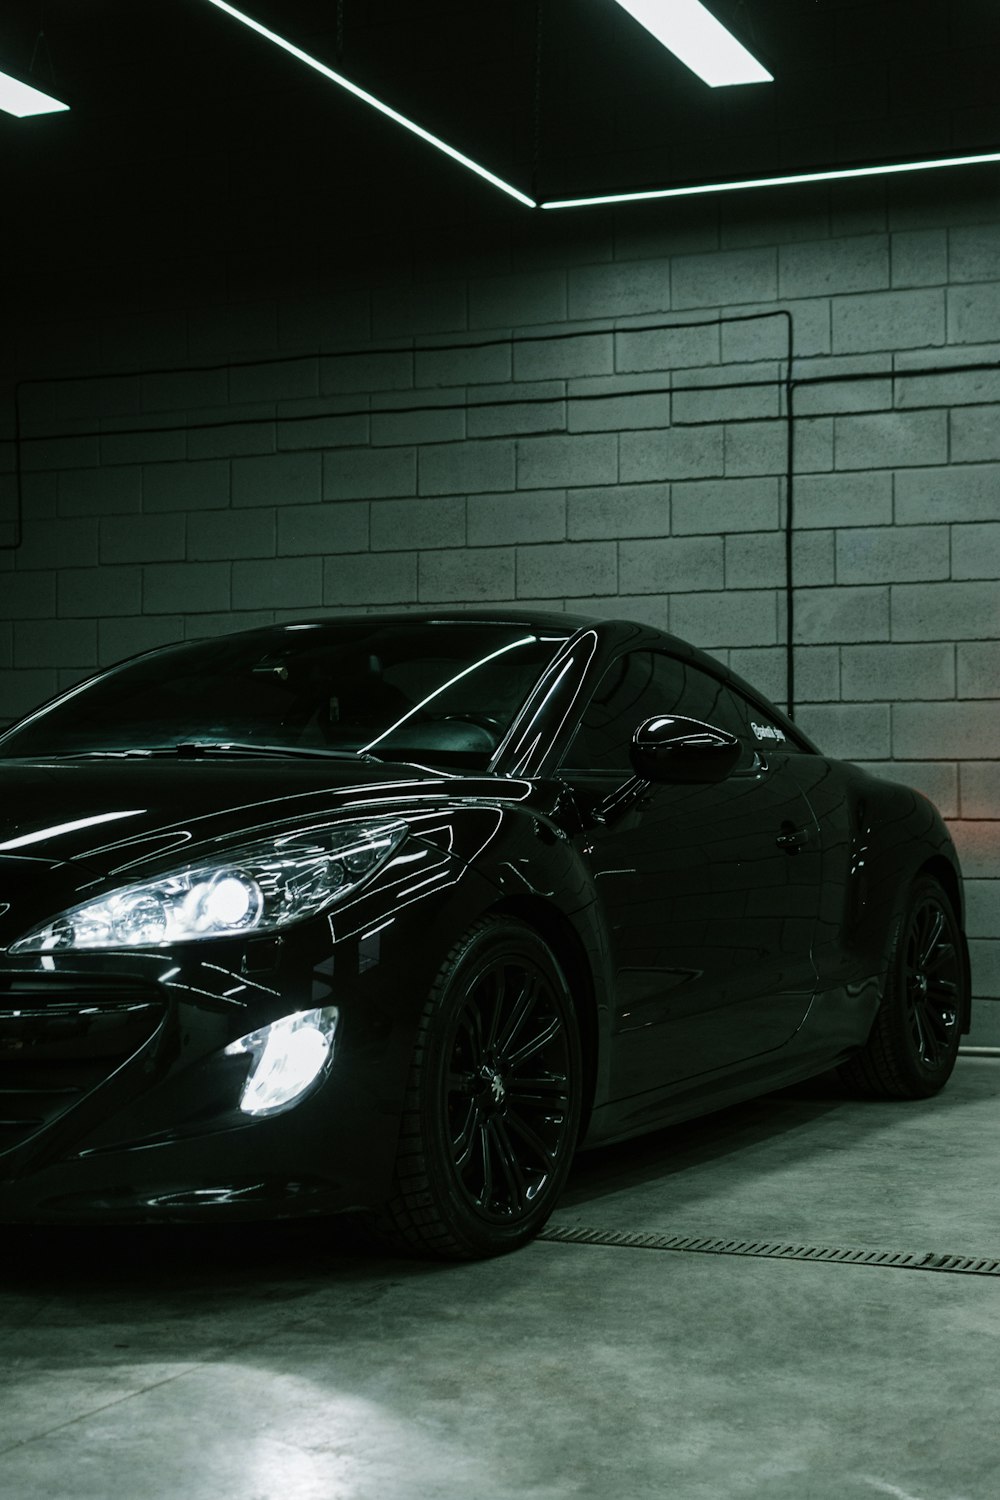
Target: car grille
(60, 1037)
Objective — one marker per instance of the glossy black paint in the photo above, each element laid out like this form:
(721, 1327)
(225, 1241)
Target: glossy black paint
(719, 939)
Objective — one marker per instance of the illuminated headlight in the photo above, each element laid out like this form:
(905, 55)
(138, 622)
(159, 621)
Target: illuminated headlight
(256, 888)
(289, 1057)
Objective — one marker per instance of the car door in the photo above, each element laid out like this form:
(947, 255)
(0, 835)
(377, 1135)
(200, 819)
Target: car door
(711, 894)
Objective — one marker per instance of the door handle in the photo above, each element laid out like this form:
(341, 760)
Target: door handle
(792, 839)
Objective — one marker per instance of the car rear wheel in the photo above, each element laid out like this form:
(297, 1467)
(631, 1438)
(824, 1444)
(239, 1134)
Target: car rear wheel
(914, 1041)
(492, 1109)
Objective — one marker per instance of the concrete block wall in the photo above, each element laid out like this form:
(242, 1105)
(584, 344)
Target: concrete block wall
(596, 423)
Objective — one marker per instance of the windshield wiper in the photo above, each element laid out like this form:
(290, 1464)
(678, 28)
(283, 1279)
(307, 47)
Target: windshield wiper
(198, 749)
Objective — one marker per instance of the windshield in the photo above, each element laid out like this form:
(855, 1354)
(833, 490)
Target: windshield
(443, 692)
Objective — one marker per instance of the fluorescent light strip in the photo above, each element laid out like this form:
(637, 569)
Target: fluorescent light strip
(366, 98)
(21, 99)
(699, 40)
(766, 182)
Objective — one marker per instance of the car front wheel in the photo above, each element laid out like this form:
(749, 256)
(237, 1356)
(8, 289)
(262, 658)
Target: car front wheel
(492, 1108)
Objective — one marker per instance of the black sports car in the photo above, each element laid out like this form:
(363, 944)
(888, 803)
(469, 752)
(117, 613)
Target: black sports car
(391, 913)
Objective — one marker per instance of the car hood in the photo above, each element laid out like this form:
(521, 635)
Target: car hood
(112, 815)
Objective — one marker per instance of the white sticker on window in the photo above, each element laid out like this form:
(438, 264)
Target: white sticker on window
(765, 732)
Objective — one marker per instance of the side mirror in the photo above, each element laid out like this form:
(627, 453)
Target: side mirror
(671, 749)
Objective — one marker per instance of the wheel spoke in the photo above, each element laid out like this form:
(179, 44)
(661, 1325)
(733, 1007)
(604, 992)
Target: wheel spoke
(516, 1059)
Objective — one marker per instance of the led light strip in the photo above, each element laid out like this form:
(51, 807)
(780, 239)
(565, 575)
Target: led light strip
(839, 175)
(366, 98)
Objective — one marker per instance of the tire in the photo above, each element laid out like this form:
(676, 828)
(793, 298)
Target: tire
(492, 1107)
(913, 1044)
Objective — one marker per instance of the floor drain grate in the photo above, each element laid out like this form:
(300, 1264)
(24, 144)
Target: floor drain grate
(905, 1260)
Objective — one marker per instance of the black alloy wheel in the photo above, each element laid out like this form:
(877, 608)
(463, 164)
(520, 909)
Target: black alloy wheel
(493, 1104)
(914, 1041)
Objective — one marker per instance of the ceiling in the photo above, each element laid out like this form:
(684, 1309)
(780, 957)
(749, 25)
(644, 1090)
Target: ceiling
(190, 136)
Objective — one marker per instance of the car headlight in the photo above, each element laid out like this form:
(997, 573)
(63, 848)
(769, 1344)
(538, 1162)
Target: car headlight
(289, 1057)
(256, 888)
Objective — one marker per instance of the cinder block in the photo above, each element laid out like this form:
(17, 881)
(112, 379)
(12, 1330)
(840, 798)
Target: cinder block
(188, 487)
(58, 544)
(557, 462)
(847, 731)
(973, 314)
(278, 583)
(755, 560)
(897, 672)
(223, 534)
(185, 390)
(825, 616)
(129, 634)
(974, 252)
(618, 511)
(975, 434)
(101, 492)
(979, 668)
(707, 506)
(180, 588)
(984, 954)
(725, 279)
(535, 406)
(676, 453)
(745, 617)
(559, 357)
(567, 570)
(943, 611)
(370, 579)
(29, 596)
(285, 380)
(466, 468)
(399, 525)
(889, 440)
(22, 690)
(889, 320)
(91, 593)
(359, 474)
(889, 554)
(622, 287)
(822, 267)
(358, 372)
(672, 565)
(938, 781)
(982, 908)
(920, 257)
(518, 300)
(676, 347)
(252, 435)
(979, 783)
(966, 492)
(131, 539)
(55, 643)
(473, 364)
(975, 551)
(467, 576)
(281, 478)
(430, 307)
(945, 731)
(620, 413)
(527, 516)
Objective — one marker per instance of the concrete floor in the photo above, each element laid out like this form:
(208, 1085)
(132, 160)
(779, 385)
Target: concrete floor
(277, 1363)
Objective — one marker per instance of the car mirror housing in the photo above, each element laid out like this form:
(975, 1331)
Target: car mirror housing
(668, 748)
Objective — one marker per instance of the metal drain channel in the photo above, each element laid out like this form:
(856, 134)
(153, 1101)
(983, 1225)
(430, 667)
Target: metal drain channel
(901, 1260)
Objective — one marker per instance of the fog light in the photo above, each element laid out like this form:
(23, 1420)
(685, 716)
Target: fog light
(289, 1058)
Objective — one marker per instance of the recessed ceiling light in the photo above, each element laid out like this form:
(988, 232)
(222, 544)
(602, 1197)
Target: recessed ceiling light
(366, 98)
(886, 170)
(21, 99)
(699, 40)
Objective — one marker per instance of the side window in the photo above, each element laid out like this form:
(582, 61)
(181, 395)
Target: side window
(636, 687)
